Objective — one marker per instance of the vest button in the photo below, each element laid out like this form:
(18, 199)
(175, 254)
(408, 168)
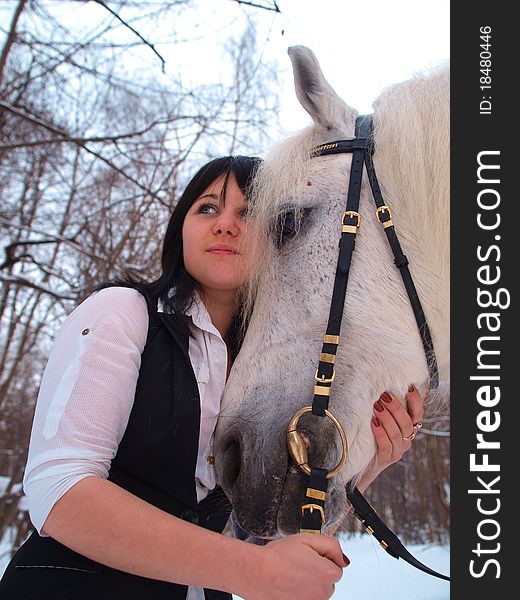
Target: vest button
(191, 516)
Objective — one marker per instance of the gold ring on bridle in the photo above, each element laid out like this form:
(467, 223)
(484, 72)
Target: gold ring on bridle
(298, 448)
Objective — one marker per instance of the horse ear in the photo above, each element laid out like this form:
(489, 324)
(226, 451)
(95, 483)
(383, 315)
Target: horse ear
(315, 93)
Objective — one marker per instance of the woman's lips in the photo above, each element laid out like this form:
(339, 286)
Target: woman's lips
(223, 250)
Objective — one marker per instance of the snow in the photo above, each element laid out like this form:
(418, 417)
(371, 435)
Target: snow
(372, 573)
(6, 543)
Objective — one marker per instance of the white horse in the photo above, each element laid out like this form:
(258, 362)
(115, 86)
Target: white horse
(298, 201)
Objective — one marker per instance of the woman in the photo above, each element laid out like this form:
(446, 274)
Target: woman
(119, 478)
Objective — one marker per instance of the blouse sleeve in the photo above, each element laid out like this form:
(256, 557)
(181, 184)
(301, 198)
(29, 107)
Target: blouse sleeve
(86, 395)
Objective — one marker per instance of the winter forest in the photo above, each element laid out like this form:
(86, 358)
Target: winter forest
(100, 128)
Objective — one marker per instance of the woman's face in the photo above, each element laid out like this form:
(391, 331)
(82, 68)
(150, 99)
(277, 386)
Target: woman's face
(215, 249)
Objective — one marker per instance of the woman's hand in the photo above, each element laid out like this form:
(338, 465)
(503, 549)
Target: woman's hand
(302, 566)
(394, 428)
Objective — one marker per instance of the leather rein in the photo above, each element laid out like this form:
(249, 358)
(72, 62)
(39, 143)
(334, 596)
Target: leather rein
(312, 512)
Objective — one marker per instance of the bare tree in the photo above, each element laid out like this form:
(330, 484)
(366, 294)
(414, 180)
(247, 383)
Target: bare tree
(93, 154)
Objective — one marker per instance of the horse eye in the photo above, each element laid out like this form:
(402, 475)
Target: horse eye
(288, 225)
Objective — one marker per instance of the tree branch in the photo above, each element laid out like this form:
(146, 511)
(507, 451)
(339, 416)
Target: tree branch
(151, 46)
(435, 432)
(11, 258)
(57, 239)
(67, 137)
(15, 280)
(273, 8)
(10, 37)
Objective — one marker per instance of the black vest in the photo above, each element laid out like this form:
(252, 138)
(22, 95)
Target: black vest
(155, 461)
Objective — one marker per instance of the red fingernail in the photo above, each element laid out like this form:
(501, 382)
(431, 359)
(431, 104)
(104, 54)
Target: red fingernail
(385, 397)
(379, 407)
(411, 387)
(376, 421)
(346, 561)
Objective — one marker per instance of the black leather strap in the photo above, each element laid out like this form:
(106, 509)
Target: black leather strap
(386, 538)
(314, 507)
(346, 248)
(362, 149)
(401, 262)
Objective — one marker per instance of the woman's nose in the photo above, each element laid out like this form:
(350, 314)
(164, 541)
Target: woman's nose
(227, 223)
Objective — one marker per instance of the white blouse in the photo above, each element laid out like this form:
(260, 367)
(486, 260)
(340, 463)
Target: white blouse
(88, 389)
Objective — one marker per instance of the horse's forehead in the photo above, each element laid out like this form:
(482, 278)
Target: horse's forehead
(326, 184)
(317, 176)
(329, 170)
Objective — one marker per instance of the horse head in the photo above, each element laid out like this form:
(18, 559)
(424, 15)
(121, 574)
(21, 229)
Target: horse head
(298, 202)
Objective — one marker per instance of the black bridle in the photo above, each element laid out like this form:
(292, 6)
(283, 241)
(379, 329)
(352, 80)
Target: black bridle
(313, 516)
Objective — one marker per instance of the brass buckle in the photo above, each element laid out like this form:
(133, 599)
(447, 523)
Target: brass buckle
(312, 508)
(350, 228)
(382, 209)
(298, 448)
(322, 379)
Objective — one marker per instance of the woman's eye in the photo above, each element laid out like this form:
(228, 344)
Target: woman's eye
(206, 209)
(288, 225)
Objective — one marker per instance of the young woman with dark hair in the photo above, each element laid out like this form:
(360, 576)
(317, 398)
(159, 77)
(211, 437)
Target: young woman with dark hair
(120, 480)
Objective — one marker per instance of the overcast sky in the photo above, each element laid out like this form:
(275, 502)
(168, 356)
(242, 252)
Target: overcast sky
(362, 46)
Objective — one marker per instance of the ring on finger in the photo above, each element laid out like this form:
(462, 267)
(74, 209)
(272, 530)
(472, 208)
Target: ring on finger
(417, 425)
(410, 437)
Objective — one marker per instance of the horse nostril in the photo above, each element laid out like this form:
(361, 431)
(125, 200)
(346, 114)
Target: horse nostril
(231, 463)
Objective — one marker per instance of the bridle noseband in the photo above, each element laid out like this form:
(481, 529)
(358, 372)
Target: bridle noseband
(313, 511)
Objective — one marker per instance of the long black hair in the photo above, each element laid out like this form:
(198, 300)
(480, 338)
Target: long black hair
(174, 274)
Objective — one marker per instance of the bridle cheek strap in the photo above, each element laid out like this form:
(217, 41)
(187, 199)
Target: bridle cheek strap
(350, 222)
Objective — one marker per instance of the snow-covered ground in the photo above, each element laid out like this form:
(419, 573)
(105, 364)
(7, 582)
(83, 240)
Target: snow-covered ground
(373, 573)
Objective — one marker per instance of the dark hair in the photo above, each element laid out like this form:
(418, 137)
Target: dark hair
(174, 273)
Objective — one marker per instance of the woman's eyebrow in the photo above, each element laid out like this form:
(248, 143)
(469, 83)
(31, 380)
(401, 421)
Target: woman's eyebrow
(212, 196)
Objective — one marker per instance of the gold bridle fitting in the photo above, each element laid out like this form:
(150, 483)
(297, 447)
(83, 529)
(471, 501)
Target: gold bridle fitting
(298, 448)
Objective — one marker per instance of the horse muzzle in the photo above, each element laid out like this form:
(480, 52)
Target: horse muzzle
(259, 476)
